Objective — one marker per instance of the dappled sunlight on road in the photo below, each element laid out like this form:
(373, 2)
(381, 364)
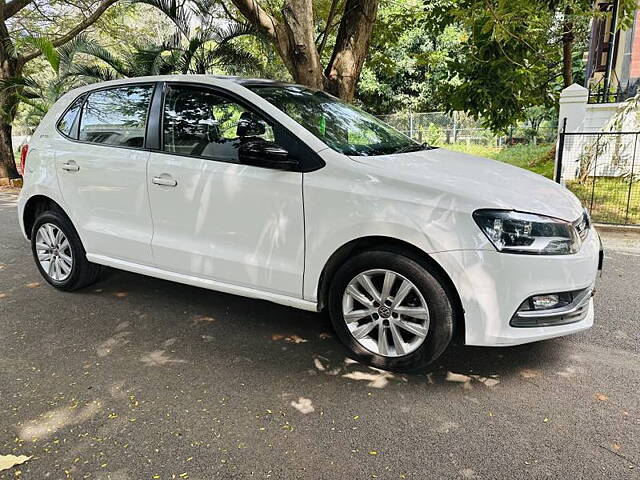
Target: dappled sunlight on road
(51, 422)
(158, 358)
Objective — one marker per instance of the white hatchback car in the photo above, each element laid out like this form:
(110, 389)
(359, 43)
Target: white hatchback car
(282, 193)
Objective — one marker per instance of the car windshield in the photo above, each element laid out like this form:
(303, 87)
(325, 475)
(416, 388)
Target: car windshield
(341, 126)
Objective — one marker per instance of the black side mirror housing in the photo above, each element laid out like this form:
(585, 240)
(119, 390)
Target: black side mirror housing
(250, 126)
(262, 153)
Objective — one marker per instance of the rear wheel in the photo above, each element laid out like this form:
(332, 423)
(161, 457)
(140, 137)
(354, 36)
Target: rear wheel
(59, 254)
(391, 311)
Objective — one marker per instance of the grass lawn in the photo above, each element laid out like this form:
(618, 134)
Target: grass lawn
(610, 196)
(538, 158)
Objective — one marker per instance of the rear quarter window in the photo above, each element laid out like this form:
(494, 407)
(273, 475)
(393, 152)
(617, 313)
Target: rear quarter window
(66, 122)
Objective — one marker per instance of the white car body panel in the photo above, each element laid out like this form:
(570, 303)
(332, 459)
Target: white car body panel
(111, 209)
(268, 234)
(232, 223)
(203, 282)
(492, 285)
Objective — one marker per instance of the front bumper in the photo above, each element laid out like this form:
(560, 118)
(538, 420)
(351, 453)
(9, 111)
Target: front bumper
(526, 317)
(493, 285)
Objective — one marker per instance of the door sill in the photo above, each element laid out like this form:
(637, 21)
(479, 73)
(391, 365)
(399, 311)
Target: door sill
(203, 282)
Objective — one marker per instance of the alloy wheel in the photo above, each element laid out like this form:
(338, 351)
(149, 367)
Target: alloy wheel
(54, 252)
(385, 313)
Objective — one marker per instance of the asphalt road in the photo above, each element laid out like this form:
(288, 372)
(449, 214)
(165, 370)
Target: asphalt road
(137, 378)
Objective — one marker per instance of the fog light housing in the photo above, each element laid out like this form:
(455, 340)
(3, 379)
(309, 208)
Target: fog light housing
(552, 309)
(554, 300)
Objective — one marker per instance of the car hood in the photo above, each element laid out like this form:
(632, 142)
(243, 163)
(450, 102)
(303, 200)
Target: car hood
(484, 182)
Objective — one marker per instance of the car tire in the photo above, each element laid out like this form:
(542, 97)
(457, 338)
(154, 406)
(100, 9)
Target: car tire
(54, 237)
(407, 347)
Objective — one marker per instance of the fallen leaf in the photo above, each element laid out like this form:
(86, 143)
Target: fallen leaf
(529, 373)
(601, 397)
(202, 319)
(303, 405)
(33, 285)
(457, 377)
(376, 380)
(295, 339)
(291, 338)
(8, 461)
(120, 294)
(616, 446)
(546, 420)
(373, 452)
(491, 382)
(324, 336)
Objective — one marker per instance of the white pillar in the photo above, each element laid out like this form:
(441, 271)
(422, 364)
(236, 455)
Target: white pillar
(573, 107)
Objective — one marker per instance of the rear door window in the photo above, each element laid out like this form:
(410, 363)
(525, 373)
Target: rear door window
(117, 116)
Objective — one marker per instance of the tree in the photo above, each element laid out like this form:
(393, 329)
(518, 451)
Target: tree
(406, 61)
(292, 31)
(19, 47)
(185, 49)
(516, 54)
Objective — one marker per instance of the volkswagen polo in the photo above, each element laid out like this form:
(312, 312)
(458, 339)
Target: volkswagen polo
(283, 193)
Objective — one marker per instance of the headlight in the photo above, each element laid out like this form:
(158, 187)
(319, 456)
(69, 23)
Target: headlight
(515, 232)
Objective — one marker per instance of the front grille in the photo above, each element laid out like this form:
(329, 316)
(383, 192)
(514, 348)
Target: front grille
(582, 225)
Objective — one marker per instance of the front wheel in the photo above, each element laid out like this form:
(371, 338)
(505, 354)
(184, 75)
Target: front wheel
(391, 311)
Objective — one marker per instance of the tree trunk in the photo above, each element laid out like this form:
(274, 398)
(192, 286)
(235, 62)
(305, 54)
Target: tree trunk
(352, 43)
(7, 163)
(9, 68)
(298, 47)
(567, 48)
(294, 39)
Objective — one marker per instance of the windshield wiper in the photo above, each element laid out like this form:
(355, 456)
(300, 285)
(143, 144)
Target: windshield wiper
(416, 147)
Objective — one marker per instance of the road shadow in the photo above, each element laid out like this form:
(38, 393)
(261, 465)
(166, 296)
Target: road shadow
(278, 340)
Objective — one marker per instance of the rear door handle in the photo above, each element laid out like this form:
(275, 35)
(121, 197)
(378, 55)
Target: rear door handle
(164, 180)
(70, 166)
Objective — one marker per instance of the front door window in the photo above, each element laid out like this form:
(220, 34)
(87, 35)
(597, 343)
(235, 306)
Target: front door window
(199, 122)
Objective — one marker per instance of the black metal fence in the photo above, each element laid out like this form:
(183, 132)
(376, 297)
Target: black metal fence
(603, 92)
(603, 170)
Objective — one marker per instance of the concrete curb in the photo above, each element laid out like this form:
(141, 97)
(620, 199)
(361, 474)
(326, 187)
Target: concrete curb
(606, 227)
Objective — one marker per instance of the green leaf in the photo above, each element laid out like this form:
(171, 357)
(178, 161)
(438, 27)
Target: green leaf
(48, 50)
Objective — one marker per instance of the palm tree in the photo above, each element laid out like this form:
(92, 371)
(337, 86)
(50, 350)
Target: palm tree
(207, 48)
(203, 49)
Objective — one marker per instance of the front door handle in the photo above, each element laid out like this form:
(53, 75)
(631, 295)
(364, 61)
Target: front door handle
(164, 180)
(70, 166)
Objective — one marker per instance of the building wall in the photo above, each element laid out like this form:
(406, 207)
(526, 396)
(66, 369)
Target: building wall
(634, 66)
(584, 117)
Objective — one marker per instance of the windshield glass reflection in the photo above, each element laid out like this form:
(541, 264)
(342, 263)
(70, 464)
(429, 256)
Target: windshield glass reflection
(341, 126)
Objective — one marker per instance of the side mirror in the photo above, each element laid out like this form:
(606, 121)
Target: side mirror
(250, 126)
(261, 153)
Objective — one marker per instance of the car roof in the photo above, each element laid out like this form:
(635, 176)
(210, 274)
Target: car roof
(211, 79)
